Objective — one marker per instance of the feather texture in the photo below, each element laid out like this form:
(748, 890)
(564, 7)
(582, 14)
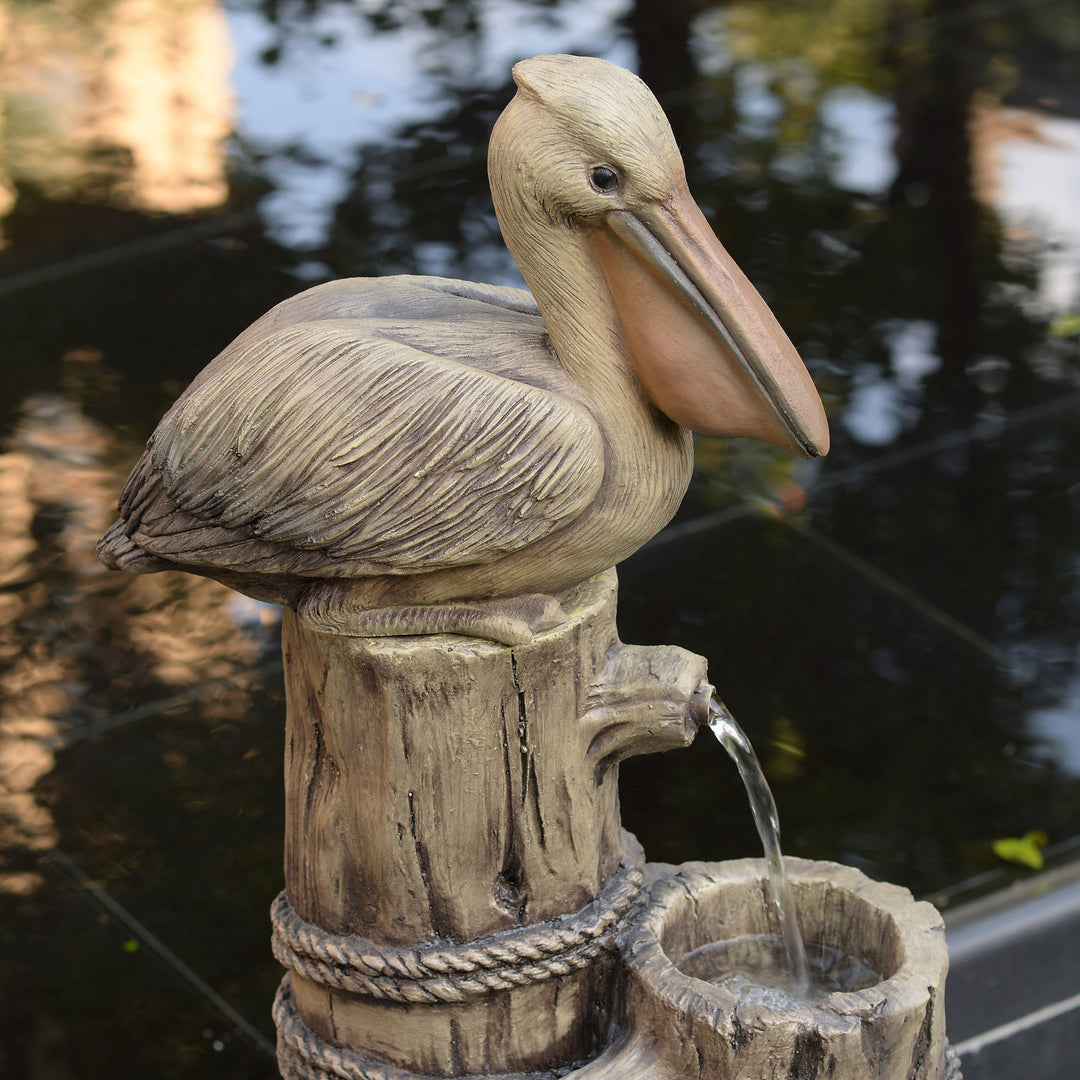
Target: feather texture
(415, 457)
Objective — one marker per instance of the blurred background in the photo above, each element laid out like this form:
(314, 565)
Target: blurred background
(895, 626)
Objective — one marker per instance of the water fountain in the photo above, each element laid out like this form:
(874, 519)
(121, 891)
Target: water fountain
(434, 478)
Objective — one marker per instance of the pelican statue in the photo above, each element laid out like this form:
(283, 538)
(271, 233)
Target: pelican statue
(412, 455)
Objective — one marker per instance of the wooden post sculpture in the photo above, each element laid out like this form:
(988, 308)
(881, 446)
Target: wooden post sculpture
(434, 477)
(456, 875)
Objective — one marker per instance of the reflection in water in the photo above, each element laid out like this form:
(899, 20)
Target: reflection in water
(1058, 727)
(74, 641)
(52, 479)
(320, 84)
(881, 405)
(894, 176)
(1027, 165)
(128, 101)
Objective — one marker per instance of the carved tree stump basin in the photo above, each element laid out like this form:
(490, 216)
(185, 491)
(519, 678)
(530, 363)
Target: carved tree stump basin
(680, 1026)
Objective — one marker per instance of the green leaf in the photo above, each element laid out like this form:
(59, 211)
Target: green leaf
(1025, 850)
(1065, 325)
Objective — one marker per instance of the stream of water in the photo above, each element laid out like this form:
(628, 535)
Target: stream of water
(772, 970)
(733, 739)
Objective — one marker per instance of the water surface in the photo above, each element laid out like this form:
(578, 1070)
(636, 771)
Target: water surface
(900, 620)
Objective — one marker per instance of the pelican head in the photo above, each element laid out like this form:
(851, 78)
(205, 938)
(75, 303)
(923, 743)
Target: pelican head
(586, 175)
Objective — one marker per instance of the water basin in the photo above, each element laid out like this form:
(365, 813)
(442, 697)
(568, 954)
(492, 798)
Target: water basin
(893, 1028)
(755, 969)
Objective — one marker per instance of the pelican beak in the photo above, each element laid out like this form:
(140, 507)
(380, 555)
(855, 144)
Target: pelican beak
(706, 347)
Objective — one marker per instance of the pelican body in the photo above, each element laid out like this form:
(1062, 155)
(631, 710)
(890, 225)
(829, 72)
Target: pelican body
(409, 455)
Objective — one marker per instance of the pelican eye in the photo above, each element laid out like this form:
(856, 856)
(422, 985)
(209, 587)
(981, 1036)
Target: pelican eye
(604, 178)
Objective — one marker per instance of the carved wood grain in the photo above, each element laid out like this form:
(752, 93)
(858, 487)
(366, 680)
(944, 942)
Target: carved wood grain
(442, 789)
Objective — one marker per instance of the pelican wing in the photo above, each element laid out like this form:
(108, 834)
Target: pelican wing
(403, 297)
(328, 448)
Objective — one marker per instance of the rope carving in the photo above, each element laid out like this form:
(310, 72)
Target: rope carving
(952, 1064)
(304, 1055)
(430, 973)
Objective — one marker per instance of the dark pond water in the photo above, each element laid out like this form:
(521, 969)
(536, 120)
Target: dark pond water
(895, 627)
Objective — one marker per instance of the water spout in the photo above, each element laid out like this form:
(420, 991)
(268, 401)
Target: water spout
(733, 739)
